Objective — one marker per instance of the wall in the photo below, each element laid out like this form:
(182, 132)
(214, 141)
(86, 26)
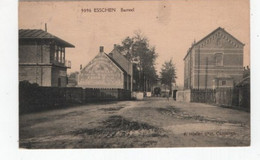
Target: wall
(218, 83)
(187, 71)
(232, 67)
(101, 72)
(34, 52)
(36, 74)
(35, 64)
(183, 96)
(59, 72)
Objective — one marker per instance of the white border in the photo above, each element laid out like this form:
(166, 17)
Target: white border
(9, 111)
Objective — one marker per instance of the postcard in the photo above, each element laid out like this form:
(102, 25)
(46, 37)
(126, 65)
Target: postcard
(134, 74)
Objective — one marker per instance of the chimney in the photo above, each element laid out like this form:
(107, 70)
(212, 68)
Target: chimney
(80, 67)
(114, 46)
(45, 27)
(101, 49)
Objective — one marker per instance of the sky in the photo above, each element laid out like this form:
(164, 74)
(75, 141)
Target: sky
(170, 26)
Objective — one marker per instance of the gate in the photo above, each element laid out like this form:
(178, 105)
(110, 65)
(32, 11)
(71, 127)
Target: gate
(225, 96)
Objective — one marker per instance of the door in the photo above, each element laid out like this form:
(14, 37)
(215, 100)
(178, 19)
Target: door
(59, 82)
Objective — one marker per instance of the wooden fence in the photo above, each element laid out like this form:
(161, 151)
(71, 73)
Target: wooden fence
(220, 96)
(35, 98)
(203, 95)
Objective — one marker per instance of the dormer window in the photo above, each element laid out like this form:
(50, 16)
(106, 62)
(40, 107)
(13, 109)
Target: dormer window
(219, 59)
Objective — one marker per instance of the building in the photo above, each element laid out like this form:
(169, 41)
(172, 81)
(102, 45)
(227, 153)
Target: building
(42, 58)
(216, 61)
(109, 71)
(125, 64)
(244, 89)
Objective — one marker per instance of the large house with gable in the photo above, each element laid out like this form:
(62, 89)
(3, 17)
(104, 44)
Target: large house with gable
(107, 71)
(216, 61)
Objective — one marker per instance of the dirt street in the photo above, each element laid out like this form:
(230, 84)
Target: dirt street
(154, 122)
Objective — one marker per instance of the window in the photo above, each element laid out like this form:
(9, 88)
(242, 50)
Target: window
(224, 83)
(56, 55)
(219, 59)
(63, 55)
(60, 55)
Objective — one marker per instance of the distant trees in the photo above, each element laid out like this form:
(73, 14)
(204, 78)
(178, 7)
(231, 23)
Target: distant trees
(73, 75)
(138, 50)
(168, 74)
(72, 79)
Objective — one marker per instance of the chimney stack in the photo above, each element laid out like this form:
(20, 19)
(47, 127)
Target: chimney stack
(114, 45)
(101, 49)
(45, 27)
(80, 67)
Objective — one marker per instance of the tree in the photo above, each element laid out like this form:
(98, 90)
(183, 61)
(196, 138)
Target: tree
(137, 50)
(73, 79)
(168, 74)
(73, 75)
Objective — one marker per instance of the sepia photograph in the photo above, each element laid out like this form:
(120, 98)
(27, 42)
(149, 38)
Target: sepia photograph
(133, 74)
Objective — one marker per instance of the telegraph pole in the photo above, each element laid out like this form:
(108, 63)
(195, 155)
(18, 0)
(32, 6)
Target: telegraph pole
(206, 80)
(199, 68)
(206, 75)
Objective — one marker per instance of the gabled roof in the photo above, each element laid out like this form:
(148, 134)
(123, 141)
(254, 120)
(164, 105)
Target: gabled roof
(222, 29)
(120, 59)
(245, 81)
(116, 63)
(109, 58)
(216, 30)
(40, 34)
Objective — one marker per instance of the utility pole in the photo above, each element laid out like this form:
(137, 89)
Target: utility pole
(206, 75)
(199, 68)
(206, 80)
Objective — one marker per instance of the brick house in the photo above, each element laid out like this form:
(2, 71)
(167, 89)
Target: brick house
(108, 71)
(42, 58)
(216, 61)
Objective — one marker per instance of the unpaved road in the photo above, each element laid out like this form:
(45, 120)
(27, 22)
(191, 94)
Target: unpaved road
(154, 122)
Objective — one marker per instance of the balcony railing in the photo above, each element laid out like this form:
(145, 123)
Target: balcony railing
(64, 63)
